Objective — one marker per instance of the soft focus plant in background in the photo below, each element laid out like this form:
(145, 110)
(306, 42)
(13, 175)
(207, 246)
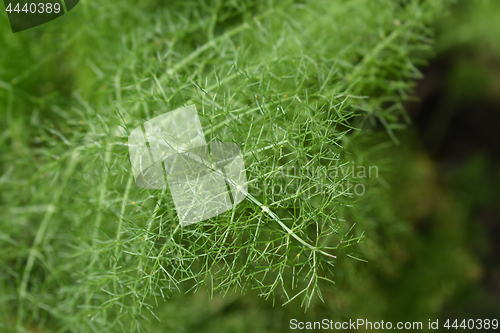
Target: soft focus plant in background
(295, 85)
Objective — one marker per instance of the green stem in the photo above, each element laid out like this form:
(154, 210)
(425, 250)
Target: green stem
(122, 214)
(39, 237)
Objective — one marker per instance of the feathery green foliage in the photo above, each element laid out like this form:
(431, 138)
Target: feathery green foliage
(85, 249)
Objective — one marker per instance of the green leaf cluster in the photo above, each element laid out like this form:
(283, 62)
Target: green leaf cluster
(294, 84)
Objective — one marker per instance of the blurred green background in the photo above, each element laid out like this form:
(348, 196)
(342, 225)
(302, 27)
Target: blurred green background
(431, 225)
